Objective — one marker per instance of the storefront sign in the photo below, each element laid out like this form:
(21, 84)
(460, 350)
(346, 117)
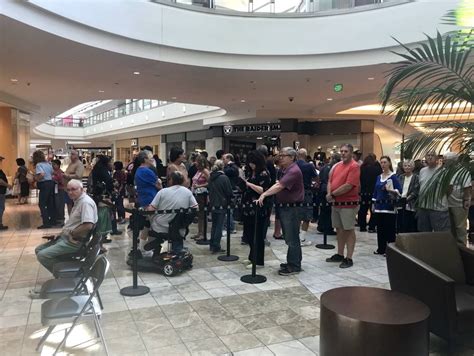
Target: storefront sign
(134, 142)
(250, 129)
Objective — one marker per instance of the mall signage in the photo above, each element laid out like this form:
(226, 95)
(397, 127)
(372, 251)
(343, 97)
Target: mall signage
(251, 129)
(134, 142)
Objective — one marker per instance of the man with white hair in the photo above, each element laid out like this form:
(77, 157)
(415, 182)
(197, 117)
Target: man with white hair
(76, 230)
(74, 170)
(459, 198)
(432, 215)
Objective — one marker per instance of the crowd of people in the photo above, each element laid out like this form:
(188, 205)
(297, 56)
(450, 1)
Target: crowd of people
(338, 194)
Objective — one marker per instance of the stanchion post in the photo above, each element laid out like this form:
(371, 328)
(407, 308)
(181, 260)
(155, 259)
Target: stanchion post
(228, 257)
(254, 278)
(135, 290)
(205, 240)
(325, 245)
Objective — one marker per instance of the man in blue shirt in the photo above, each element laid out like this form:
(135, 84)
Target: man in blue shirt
(309, 175)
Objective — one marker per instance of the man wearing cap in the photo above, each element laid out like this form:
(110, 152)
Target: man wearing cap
(3, 190)
(74, 170)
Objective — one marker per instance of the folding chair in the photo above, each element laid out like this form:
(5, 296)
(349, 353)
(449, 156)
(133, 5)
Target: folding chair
(73, 308)
(63, 287)
(68, 269)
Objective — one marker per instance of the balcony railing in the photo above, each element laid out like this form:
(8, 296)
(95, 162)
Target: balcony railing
(135, 106)
(279, 7)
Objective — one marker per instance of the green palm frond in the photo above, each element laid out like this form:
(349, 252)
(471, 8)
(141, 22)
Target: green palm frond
(440, 184)
(435, 78)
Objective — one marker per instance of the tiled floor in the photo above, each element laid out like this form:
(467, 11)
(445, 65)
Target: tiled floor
(205, 311)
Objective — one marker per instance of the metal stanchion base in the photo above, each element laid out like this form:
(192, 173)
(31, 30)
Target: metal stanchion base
(253, 279)
(134, 292)
(203, 242)
(325, 246)
(228, 258)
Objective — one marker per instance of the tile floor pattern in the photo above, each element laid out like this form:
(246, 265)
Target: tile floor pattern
(205, 311)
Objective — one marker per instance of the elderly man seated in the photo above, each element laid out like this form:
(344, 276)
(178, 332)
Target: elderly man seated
(81, 221)
(174, 197)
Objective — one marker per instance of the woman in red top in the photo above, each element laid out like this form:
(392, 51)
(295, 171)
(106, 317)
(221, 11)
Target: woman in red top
(58, 178)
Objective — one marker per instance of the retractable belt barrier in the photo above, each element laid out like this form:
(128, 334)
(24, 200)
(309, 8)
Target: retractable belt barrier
(138, 214)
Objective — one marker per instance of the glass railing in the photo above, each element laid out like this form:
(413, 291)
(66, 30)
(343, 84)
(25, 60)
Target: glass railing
(279, 6)
(122, 110)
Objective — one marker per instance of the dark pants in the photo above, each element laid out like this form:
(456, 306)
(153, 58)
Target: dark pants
(59, 203)
(406, 221)
(216, 229)
(471, 219)
(325, 222)
(290, 224)
(362, 216)
(46, 202)
(119, 207)
(385, 230)
(250, 224)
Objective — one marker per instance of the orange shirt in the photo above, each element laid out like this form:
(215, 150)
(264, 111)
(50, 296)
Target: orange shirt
(343, 173)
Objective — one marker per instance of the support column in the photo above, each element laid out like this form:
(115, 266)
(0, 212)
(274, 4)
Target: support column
(8, 141)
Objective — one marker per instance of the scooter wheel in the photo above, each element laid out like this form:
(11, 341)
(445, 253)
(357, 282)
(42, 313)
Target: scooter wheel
(168, 269)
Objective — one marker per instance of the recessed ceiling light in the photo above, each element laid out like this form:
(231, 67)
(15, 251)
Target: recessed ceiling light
(101, 91)
(14, 80)
(136, 73)
(329, 99)
(370, 78)
(174, 97)
(242, 100)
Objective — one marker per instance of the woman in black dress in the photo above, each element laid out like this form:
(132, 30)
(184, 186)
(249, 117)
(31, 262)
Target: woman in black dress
(21, 175)
(258, 180)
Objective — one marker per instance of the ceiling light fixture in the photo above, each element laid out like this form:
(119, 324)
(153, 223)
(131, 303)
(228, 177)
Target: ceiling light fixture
(136, 73)
(329, 99)
(242, 100)
(370, 78)
(174, 97)
(101, 91)
(14, 80)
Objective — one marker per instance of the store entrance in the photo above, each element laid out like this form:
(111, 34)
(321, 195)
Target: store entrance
(241, 146)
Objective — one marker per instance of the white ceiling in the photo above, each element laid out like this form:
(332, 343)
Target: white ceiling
(55, 74)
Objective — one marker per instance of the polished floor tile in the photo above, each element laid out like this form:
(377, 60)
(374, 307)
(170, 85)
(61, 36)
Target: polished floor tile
(203, 311)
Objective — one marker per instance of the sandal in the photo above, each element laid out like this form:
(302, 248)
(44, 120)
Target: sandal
(196, 237)
(278, 237)
(378, 253)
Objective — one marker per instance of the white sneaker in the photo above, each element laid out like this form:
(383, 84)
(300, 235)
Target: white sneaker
(305, 242)
(246, 262)
(250, 266)
(233, 232)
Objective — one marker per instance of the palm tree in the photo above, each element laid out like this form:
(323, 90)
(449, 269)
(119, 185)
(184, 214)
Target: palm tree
(435, 81)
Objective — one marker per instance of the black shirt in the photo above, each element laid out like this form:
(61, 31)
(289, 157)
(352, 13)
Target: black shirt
(3, 189)
(249, 196)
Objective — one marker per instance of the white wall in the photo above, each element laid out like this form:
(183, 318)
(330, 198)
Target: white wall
(178, 35)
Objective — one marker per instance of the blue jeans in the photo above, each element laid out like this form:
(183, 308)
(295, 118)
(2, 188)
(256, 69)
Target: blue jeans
(53, 251)
(216, 230)
(232, 222)
(46, 202)
(290, 224)
(2, 207)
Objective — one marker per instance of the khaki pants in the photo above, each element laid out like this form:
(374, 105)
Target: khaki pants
(458, 217)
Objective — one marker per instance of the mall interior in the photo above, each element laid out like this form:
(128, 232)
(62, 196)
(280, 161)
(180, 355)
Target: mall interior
(119, 79)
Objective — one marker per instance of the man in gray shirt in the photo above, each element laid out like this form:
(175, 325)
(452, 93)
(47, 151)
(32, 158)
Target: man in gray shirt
(74, 170)
(81, 221)
(174, 197)
(432, 215)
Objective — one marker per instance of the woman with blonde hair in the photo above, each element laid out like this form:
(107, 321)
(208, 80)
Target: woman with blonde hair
(200, 182)
(45, 184)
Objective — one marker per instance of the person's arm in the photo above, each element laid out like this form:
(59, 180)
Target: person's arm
(274, 189)
(205, 174)
(4, 184)
(256, 188)
(81, 232)
(39, 173)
